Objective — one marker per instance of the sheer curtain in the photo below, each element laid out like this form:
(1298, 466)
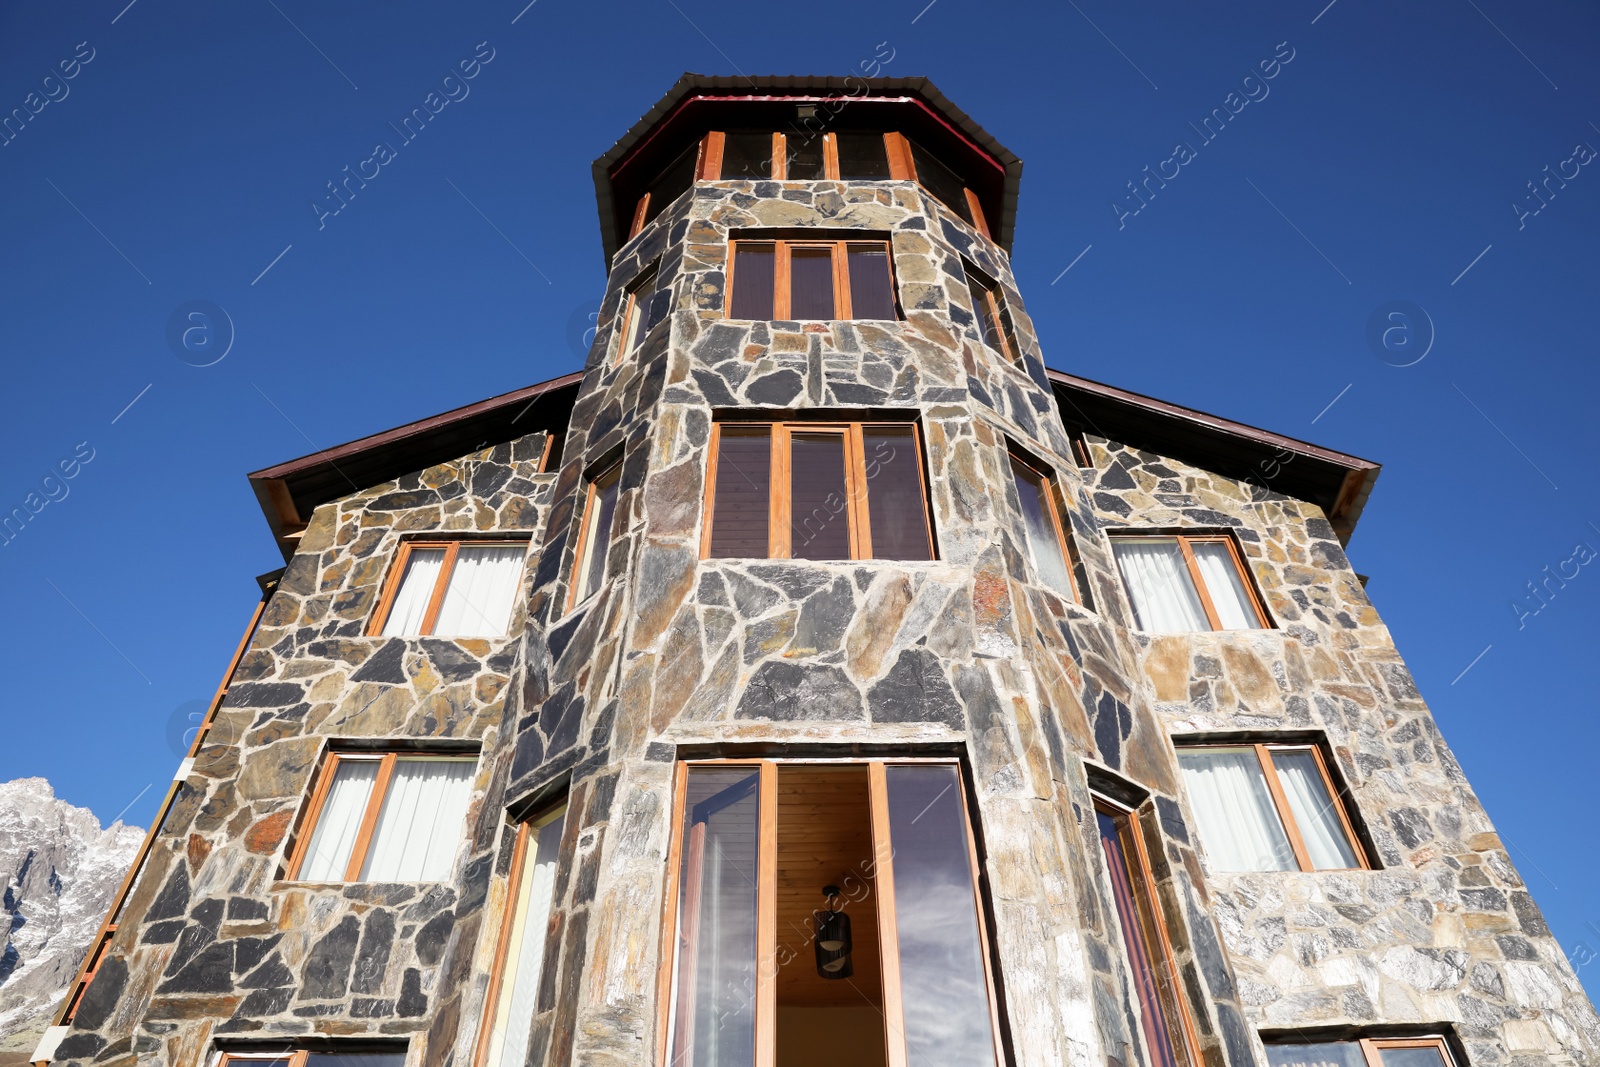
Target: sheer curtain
(339, 821)
(1042, 538)
(1313, 809)
(416, 589)
(420, 824)
(1239, 827)
(1164, 599)
(483, 586)
(1228, 594)
(513, 1023)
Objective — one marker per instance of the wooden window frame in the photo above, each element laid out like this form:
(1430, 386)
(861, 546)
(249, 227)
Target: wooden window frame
(1058, 522)
(641, 209)
(782, 249)
(999, 311)
(397, 573)
(1187, 1041)
(1186, 542)
(1280, 800)
(780, 485)
(527, 829)
(1373, 1047)
(369, 820)
(766, 1008)
(901, 145)
(576, 594)
(620, 348)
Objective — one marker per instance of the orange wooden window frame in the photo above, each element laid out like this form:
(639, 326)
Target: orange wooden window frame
(369, 818)
(767, 906)
(839, 250)
(295, 1057)
(576, 593)
(1372, 1047)
(620, 346)
(1152, 918)
(980, 285)
(1052, 491)
(1280, 800)
(780, 484)
(1186, 543)
(397, 573)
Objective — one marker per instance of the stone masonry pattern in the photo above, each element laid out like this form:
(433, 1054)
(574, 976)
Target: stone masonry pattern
(968, 654)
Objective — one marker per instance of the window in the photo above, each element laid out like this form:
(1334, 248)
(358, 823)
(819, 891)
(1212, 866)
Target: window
(876, 857)
(1366, 1052)
(751, 155)
(1268, 808)
(1162, 1016)
(825, 491)
(792, 280)
(1187, 582)
(747, 155)
(1049, 543)
(992, 315)
(385, 817)
(862, 157)
(305, 1058)
(594, 535)
(519, 957)
(941, 181)
(671, 183)
(450, 589)
(640, 312)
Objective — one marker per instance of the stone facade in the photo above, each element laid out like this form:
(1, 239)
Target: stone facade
(969, 654)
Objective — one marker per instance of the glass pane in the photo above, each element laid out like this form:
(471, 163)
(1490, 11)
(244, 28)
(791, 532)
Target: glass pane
(339, 822)
(983, 311)
(482, 589)
(740, 509)
(871, 287)
(597, 539)
(819, 519)
(753, 281)
(419, 825)
(1158, 584)
(943, 987)
(805, 156)
(746, 155)
(714, 979)
(1147, 969)
(1412, 1057)
(672, 182)
(810, 283)
(862, 157)
(410, 605)
(1224, 585)
(530, 920)
(1313, 809)
(895, 510)
(1323, 1054)
(1038, 516)
(1239, 826)
(941, 181)
(355, 1059)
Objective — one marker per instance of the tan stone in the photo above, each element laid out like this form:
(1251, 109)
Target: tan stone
(1167, 667)
(872, 631)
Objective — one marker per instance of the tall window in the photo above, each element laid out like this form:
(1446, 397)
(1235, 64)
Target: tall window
(993, 316)
(1183, 583)
(519, 958)
(1366, 1052)
(306, 1058)
(451, 589)
(1048, 541)
(942, 182)
(825, 491)
(594, 535)
(825, 906)
(1268, 808)
(816, 280)
(1144, 938)
(385, 817)
(639, 315)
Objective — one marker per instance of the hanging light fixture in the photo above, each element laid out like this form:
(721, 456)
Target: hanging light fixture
(833, 937)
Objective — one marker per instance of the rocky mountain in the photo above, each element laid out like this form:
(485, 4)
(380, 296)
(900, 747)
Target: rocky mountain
(60, 871)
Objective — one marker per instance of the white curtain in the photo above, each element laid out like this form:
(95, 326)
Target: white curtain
(1239, 826)
(1313, 809)
(339, 821)
(483, 586)
(419, 826)
(1157, 579)
(416, 589)
(513, 1023)
(1227, 589)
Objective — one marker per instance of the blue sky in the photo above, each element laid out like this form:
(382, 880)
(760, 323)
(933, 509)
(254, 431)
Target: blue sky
(1382, 163)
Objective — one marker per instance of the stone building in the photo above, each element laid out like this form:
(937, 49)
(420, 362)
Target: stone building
(816, 677)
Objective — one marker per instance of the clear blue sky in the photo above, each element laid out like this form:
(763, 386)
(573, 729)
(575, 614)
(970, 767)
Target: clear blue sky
(181, 161)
